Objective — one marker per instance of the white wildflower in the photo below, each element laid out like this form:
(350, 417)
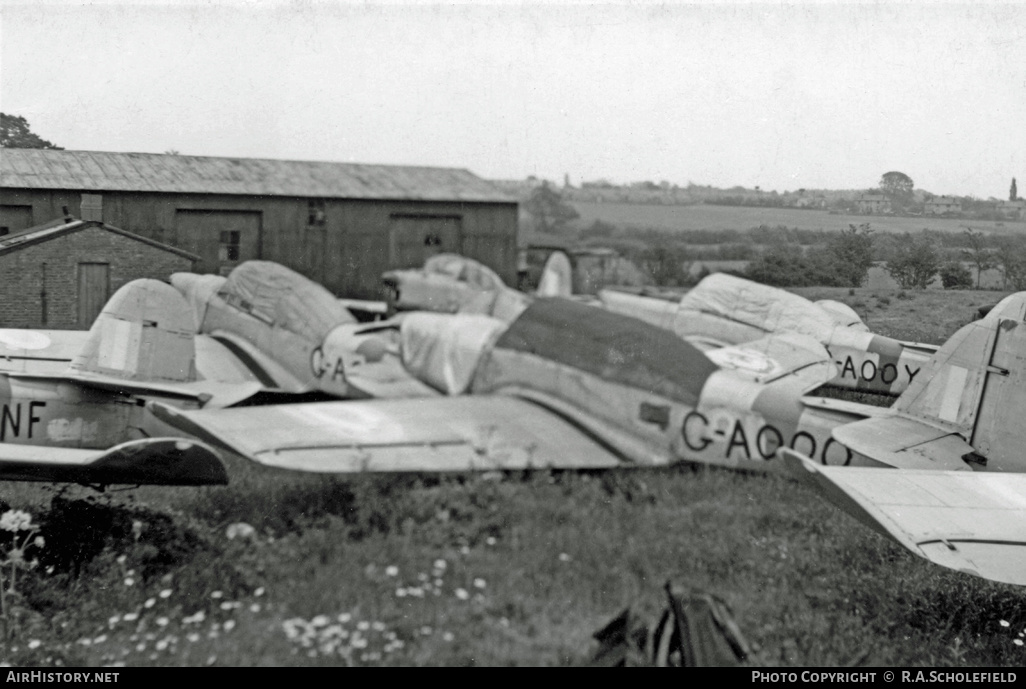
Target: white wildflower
(479, 583)
(462, 594)
(16, 520)
(240, 530)
(166, 593)
(391, 571)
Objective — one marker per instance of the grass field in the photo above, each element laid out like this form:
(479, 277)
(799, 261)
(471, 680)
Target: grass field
(708, 217)
(516, 569)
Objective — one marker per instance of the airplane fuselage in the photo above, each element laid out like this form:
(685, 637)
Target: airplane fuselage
(48, 412)
(649, 392)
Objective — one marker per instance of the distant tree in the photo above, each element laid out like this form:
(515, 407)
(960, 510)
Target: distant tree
(915, 261)
(667, 264)
(788, 265)
(954, 275)
(15, 133)
(1012, 262)
(551, 214)
(977, 253)
(1013, 192)
(897, 186)
(851, 252)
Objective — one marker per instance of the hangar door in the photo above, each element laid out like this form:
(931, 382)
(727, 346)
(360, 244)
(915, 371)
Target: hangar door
(413, 239)
(222, 239)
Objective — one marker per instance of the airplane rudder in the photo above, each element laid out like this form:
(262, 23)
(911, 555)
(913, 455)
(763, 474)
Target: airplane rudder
(145, 331)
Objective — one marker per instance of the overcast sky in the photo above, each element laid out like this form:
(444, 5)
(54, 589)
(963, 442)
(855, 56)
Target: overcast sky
(806, 95)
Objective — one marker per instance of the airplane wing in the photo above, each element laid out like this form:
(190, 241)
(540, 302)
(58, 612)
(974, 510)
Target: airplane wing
(468, 433)
(151, 461)
(968, 521)
(39, 351)
(777, 356)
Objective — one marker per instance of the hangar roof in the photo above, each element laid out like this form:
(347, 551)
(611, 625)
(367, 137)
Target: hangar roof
(167, 173)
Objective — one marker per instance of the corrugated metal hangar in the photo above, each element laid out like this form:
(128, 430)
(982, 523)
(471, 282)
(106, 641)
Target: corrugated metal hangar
(340, 224)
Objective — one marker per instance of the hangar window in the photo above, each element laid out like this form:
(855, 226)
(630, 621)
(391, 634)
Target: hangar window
(92, 207)
(229, 249)
(315, 215)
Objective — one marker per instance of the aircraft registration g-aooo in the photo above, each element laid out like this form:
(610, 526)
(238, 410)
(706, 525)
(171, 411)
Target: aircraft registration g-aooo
(957, 438)
(72, 404)
(563, 385)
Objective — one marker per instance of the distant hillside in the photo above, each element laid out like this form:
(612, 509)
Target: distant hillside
(712, 217)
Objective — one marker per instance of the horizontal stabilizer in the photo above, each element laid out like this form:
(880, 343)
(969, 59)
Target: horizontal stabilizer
(426, 435)
(972, 522)
(151, 461)
(906, 443)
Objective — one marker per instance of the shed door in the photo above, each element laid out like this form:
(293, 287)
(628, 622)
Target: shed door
(222, 239)
(414, 238)
(93, 291)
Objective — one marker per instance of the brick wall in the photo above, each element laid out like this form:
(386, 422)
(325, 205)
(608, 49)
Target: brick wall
(21, 274)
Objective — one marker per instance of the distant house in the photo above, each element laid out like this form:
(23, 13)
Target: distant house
(940, 205)
(872, 203)
(1014, 210)
(810, 202)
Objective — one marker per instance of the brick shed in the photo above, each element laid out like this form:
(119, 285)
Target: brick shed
(59, 275)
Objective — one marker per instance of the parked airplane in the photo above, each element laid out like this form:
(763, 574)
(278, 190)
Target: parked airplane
(721, 310)
(294, 335)
(450, 283)
(724, 310)
(956, 436)
(562, 385)
(85, 420)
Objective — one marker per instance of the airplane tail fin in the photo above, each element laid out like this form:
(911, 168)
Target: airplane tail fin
(557, 276)
(145, 332)
(975, 385)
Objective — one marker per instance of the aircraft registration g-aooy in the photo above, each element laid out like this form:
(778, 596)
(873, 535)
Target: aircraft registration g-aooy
(957, 438)
(563, 385)
(725, 310)
(87, 421)
(294, 335)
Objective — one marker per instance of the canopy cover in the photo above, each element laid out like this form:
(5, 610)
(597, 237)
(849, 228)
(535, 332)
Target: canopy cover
(768, 308)
(284, 298)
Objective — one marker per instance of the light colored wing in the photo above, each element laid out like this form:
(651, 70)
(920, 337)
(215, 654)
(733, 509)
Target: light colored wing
(968, 521)
(906, 443)
(152, 461)
(776, 356)
(39, 351)
(468, 433)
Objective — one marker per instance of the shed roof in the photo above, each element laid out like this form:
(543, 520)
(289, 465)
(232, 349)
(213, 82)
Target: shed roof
(61, 227)
(154, 172)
